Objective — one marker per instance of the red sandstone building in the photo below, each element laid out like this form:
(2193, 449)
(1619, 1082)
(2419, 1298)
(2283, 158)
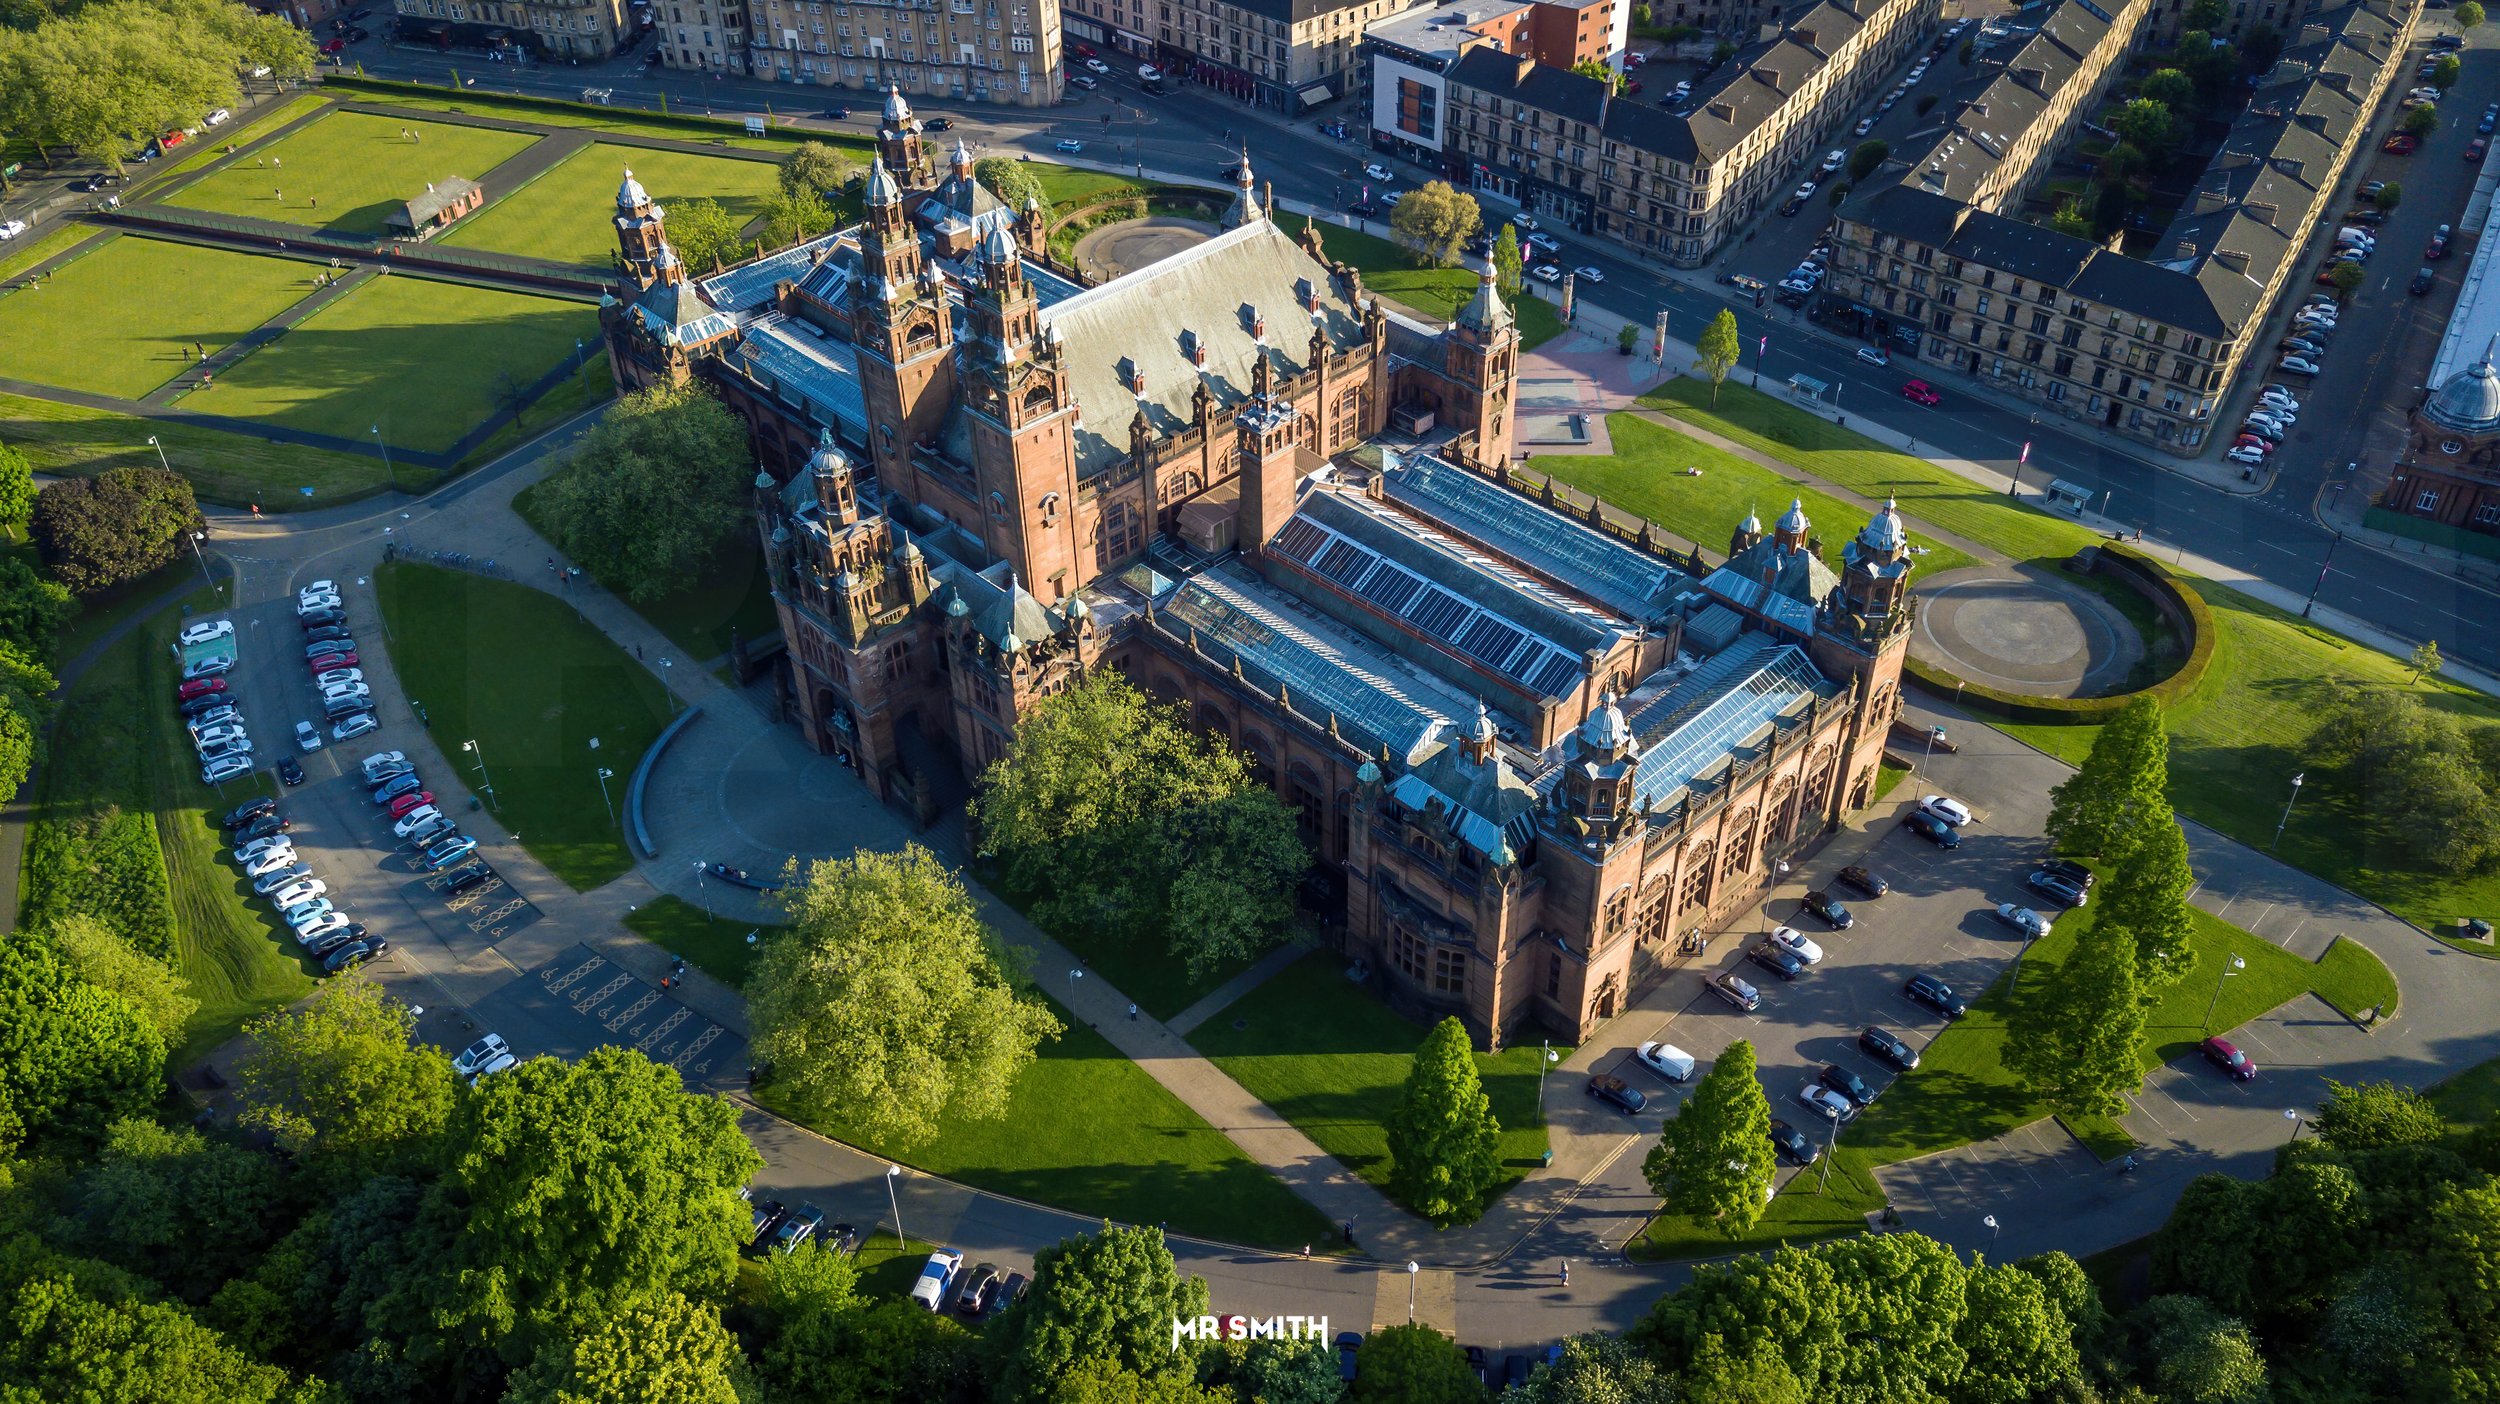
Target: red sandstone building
(1533, 758)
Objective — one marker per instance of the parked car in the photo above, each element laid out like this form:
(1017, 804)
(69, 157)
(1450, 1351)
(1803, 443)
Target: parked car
(248, 811)
(491, 1046)
(1932, 829)
(303, 914)
(1666, 1060)
(332, 662)
(353, 725)
(1788, 1141)
(763, 1215)
(468, 877)
(405, 782)
(1826, 908)
(199, 687)
(1935, 995)
(1950, 810)
(2422, 283)
(307, 736)
(206, 631)
(2064, 891)
(974, 1289)
(432, 831)
(1775, 960)
(281, 880)
(315, 932)
(353, 954)
(1919, 392)
(2070, 870)
(415, 819)
(289, 773)
(1847, 1084)
(301, 890)
(1728, 985)
(2296, 365)
(275, 860)
(1863, 881)
(1617, 1093)
(2474, 149)
(940, 1269)
(2023, 919)
(2401, 144)
(799, 1227)
(203, 703)
(2224, 1054)
(1377, 171)
(1825, 1103)
(2436, 247)
(2246, 457)
(449, 851)
(1874, 355)
(413, 800)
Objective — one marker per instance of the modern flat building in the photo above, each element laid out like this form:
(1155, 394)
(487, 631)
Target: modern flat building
(2149, 345)
(586, 30)
(1406, 60)
(1001, 51)
(1538, 761)
(1283, 55)
(1675, 183)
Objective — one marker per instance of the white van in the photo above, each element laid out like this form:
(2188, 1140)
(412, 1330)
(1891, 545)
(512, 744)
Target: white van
(930, 1290)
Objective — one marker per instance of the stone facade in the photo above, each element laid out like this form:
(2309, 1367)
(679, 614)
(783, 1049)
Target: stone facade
(1001, 51)
(587, 30)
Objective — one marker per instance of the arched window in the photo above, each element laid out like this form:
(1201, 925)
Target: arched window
(1783, 809)
(1819, 773)
(1697, 872)
(1618, 910)
(1037, 399)
(1740, 836)
(1886, 704)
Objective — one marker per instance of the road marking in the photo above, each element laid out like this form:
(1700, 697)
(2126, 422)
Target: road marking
(586, 1004)
(497, 915)
(648, 999)
(702, 1041)
(559, 986)
(667, 1026)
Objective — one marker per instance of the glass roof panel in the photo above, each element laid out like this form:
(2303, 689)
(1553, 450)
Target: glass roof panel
(1707, 715)
(1588, 561)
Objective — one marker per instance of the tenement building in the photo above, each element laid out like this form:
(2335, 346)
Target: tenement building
(1676, 183)
(1538, 759)
(2150, 344)
(1002, 51)
(1285, 55)
(585, 30)
(1405, 60)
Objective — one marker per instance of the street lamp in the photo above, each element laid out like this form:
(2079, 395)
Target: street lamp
(2235, 967)
(1934, 734)
(703, 893)
(893, 1173)
(2292, 1115)
(1760, 348)
(2311, 603)
(196, 538)
(486, 781)
(1991, 1222)
(2014, 475)
(160, 453)
(387, 467)
(2287, 810)
(605, 775)
(1074, 975)
(1779, 874)
(1412, 1268)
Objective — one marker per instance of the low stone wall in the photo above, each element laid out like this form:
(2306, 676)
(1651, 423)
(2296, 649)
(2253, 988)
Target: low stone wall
(2180, 606)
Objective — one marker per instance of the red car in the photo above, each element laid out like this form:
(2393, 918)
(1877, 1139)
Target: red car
(2223, 1054)
(403, 804)
(1919, 392)
(333, 46)
(2474, 149)
(328, 661)
(2437, 247)
(2401, 144)
(199, 687)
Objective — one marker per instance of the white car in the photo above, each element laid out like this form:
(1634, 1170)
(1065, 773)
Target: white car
(339, 677)
(1095, 65)
(2297, 365)
(1951, 811)
(1797, 943)
(218, 118)
(1823, 1101)
(259, 846)
(2023, 919)
(1865, 125)
(353, 725)
(1546, 273)
(206, 630)
(219, 735)
(220, 750)
(270, 862)
(344, 691)
(1539, 239)
(1874, 356)
(307, 736)
(416, 819)
(284, 878)
(1834, 161)
(2279, 400)
(480, 1053)
(328, 926)
(2246, 457)
(318, 587)
(1590, 273)
(11, 228)
(1377, 171)
(935, 1274)
(1666, 1060)
(1805, 191)
(501, 1062)
(300, 891)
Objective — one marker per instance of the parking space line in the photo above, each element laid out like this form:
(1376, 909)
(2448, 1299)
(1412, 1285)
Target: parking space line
(559, 986)
(586, 1004)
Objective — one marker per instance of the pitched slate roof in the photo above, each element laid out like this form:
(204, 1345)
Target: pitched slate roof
(1493, 810)
(1000, 607)
(439, 196)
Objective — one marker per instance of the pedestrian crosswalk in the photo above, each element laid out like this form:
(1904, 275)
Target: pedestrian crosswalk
(633, 1013)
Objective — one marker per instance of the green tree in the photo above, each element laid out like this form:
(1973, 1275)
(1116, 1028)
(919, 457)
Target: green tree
(659, 1350)
(62, 1344)
(1443, 1139)
(1290, 1370)
(795, 216)
(1596, 1368)
(2207, 15)
(17, 488)
(1719, 349)
(2121, 162)
(1713, 1157)
(2197, 1355)
(790, 1287)
(1434, 221)
(1818, 1308)
(1866, 156)
(2374, 1114)
(2423, 120)
(814, 167)
(26, 709)
(105, 80)
(1413, 1364)
(2071, 1290)
(2145, 901)
(2171, 88)
(2348, 277)
(73, 1058)
(1597, 69)
(705, 236)
(655, 493)
(1012, 181)
(175, 1206)
(2389, 196)
(104, 960)
(2148, 125)
(2071, 1035)
(94, 533)
(1509, 271)
(2214, 64)
(2457, 1266)
(889, 1353)
(1227, 872)
(342, 1078)
(2095, 811)
(2019, 1345)
(2444, 71)
(888, 1001)
(1106, 1298)
(2070, 218)
(33, 609)
(2469, 14)
(1756, 1375)
(2426, 661)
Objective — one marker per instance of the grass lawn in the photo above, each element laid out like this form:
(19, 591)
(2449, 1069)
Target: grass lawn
(2472, 1097)
(615, 121)
(716, 946)
(122, 830)
(1332, 1059)
(1087, 1130)
(213, 145)
(1888, 777)
(568, 214)
(24, 252)
(2236, 739)
(593, 386)
(426, 360)
(1962, 1092)
(530, 680)
(1433, 292)
(223, 467)
(734, 596)
(1063, 186)
(121, 318)
(1645, 475)
(350, 170)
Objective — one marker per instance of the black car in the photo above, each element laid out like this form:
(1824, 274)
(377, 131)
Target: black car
(353, 953)
(838, 1239)
(979, 1286)
(1792, 1143)
(1009, 1292)
(1932, 829)
(248, 811)
(1884, 1046)
(2365, 216)
(765, 1216)
(1618, 1092)
(797, 1229)
(1775, 960)
(1934, 994)
(1348, 1344)
(321, 948)
(2064, 891)
(205, 702)
(1864, 882)
(327, 614)
(327, 632)
(836, 114)
(937, 124)
(1826, 907)
(2070, 870)
(2422, 282)
(1847, 1084)
(289, 773)
(263, 827)
(468, 877)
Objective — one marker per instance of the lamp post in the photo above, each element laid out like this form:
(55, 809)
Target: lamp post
(2320, 584)
(1934, 734)
(2014, 475)
(703, 892)
(160, 453)
(2292, 1115)
(1412, 1269)
(486, 781)
(1760, 348)
(2235, 967)
(1991, 1222)
(196, 538)
(1074, 975)
(387, 467)
(605, 775)
(1779, 874)
(2297, 781)
(893, 1173)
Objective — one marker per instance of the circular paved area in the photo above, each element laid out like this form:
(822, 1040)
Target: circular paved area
(1122, 248)
(2025, 632)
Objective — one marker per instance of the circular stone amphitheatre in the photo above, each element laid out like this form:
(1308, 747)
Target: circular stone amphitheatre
(1130, 245)
(2027, 633)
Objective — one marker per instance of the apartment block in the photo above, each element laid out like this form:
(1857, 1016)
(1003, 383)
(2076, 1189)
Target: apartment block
(590, 30)
(704, 36)
(1283, 55)
(1407, 60)
(1990, 138)
(1002, 51)
(1676, 183)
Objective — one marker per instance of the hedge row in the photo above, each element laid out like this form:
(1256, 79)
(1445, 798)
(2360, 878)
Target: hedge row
(2169, 592)
(517, 105)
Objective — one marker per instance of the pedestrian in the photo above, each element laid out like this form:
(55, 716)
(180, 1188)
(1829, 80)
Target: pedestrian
(278, 195)
(638, 653)
(1306, 1252)
(1132, 1013)
(1348, 1229)
(312, 202)
(277, 163)
(1566, 1272)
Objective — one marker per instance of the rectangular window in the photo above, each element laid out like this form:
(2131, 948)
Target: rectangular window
(1449, 972)
(2427, 501)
